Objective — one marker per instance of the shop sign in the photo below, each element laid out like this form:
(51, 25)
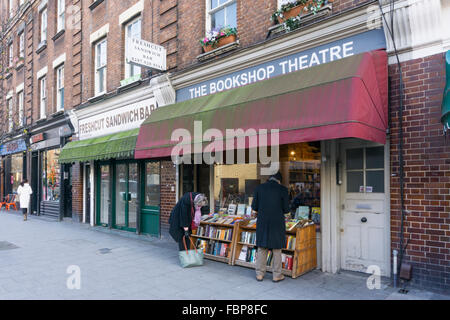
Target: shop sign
(13, 147)
(367, 41)
(146, 54)
(37, 138)
(121, 119)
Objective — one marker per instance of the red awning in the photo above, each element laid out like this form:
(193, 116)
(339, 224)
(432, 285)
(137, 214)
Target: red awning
(347, 98)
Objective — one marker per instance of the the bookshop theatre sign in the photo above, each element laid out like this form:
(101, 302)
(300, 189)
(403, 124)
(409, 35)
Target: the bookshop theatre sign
(329, 52)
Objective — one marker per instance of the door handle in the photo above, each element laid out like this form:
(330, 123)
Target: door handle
(364, 220)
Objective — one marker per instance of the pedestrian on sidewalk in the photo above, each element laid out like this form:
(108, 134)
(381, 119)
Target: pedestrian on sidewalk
(24, 192)
(271, 203)
(186, 216)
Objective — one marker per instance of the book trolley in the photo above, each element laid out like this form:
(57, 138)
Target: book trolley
(234, 243)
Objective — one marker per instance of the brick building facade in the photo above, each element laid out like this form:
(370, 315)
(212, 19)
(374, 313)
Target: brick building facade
(178, 25)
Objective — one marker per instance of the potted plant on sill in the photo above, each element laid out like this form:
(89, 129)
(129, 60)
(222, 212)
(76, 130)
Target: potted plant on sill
(218, 37)
(294, 9)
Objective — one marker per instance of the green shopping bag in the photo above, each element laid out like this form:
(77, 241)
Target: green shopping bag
(190, 258)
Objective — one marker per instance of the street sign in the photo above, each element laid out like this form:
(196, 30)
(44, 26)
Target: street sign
(146, 54)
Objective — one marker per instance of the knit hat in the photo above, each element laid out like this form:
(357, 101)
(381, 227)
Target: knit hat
(278, 176)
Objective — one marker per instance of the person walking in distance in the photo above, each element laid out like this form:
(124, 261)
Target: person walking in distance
(271, 203)
(24, 192)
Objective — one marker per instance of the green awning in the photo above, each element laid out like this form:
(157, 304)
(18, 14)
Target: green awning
(118, 146)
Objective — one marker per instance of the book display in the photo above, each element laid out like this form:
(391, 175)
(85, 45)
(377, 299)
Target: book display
(298, 255)
(215, 236)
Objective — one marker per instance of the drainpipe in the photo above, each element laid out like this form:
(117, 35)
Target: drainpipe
(395, 253)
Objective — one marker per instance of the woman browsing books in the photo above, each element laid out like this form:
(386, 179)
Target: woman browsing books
(185, 216)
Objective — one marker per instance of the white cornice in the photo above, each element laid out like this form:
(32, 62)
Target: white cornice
(59, 61)
(332, 29)
(100, 33)
(131, 12)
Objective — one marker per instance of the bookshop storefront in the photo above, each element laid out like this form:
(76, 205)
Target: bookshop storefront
(119, 192)
(329, 121)
(14, 159)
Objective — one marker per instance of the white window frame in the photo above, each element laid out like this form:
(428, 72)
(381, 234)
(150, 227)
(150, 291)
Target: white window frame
(22, 45)
(9, 103)
(43, 97)
(21, 2)
(10, 54)
(210, 12)
(61, 12)
(11, 8)
(101, 68)
(44, 18)
(60, 88)
(20, 102)
(131, 70)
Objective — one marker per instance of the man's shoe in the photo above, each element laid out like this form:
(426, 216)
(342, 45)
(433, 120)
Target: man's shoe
(259, 278)
(278, 279)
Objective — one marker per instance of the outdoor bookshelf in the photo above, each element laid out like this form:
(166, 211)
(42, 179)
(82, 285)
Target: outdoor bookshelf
(304, 257)
(217, 239)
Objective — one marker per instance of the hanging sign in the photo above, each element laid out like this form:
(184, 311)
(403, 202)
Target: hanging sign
(146, 54)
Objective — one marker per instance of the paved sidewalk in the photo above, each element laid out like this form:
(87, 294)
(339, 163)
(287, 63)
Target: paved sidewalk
(35, 255)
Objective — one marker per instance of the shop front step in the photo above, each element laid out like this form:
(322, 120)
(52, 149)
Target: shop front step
(50, 209)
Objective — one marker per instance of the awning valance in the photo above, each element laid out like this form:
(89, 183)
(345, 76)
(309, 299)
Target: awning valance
(117, 146)
(340, 99)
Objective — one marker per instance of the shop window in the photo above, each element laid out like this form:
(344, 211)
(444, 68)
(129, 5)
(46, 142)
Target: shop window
(105, 197)
(365, 170)
(221, 13)
(132, 30)
(100, 67)
(235, 184)
(50, 175)
(152, 184)
(60, 88)
(16, 170)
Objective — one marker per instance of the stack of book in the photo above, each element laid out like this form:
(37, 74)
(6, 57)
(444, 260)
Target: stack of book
(248, 237)
(287, 261)
(290, 242)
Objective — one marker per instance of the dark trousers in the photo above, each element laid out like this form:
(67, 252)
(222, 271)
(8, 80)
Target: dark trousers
(181, 244)
(24, 210)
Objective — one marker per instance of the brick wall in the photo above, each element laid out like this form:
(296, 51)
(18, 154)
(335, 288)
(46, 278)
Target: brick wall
(77, 191)
(427, 171)
(168, 191)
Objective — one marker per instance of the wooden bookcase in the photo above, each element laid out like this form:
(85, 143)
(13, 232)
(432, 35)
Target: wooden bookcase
(304, 255)
(231, 242)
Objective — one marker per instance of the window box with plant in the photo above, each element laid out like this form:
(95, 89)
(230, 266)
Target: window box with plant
(218, 37)
(290, 13)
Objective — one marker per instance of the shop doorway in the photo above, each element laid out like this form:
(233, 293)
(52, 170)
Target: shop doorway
(364, 217)
(104, 178)
(125, 196)
(87, 203)
(151, 199)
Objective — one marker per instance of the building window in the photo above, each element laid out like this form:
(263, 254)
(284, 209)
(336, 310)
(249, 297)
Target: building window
(44, 25)
(9, 103)
(21, 110)
(61, 14)
(221, 13)
(43, 97)
(10, 55)
(365, 170)
(60, 88)
(132, 30)
(22, 45)
(100, 67)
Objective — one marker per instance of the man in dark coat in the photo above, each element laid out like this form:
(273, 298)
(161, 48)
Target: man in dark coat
(271, 202)
(181, 217)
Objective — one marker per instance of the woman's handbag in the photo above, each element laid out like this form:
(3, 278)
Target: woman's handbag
(190, 258)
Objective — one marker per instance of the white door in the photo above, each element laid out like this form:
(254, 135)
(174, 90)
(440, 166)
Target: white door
(364, 221)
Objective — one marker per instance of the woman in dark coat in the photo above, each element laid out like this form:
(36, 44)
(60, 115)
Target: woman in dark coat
(271, 202)
(182, 214)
